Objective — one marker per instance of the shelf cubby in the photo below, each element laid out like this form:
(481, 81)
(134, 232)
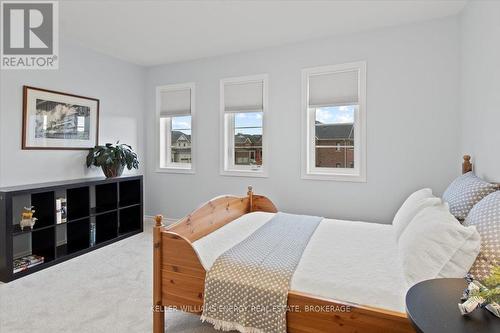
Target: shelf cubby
(61, 240)
(43, 243)
(78, 235)
(106, 197)
(61, 250)
(18, 204)
(130, 219)
(130, 192)
(106, 226)
(78, 201)
(21, 245)
(45, 208)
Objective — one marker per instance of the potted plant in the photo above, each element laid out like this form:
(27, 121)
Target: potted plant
(491, 291)
(484, 294)
(112, 158)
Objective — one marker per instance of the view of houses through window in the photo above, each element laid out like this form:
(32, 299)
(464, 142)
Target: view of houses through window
(334, 136)
(248, 138)
(243, 105)
(180, 139)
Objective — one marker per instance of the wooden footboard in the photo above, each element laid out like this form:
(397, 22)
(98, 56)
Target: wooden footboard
(179, 277)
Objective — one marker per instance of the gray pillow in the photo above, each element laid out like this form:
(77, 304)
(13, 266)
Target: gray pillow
(466, 191)
(485, 216)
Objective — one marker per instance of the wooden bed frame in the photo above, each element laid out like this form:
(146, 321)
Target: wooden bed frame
(179, 276)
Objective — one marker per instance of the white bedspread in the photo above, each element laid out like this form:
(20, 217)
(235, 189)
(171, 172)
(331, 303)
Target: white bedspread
(344, 260)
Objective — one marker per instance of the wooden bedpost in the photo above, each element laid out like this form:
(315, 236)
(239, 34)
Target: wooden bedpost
(158, 310)
(250, 198)
(466, 165)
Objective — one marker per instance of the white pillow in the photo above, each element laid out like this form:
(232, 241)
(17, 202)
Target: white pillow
(415, 203)
(436, 245)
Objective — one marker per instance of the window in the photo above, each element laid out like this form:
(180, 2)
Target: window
(175, 112)
(243, 112)
(334, 122)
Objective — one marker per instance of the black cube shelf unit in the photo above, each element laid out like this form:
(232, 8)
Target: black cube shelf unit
(112, 207)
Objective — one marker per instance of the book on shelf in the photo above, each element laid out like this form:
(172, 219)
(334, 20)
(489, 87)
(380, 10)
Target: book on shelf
(61, 209)
(92, 233)
(23, 263)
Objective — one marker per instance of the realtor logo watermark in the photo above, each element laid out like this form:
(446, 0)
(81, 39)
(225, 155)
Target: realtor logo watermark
(30, 35)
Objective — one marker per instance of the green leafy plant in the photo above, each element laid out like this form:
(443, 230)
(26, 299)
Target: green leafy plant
(492, 283)
(112, 158)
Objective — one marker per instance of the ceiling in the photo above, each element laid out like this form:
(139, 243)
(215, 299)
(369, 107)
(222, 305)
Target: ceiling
(158, 32)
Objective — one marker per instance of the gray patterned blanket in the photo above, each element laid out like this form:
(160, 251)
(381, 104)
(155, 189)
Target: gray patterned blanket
(247, 287)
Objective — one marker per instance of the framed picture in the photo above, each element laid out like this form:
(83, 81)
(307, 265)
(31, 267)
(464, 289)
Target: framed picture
(56, 120)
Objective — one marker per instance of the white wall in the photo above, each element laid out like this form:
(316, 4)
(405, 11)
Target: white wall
(480, 88)
(118, 85)
(413, 126)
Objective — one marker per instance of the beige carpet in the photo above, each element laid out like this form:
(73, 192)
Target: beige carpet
(107, 290)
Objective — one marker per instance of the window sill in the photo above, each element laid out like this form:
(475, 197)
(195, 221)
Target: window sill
(175, 170)
(334, 177)
(244, 173)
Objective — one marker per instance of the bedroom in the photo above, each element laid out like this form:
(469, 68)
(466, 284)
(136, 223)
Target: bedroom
(334, 109)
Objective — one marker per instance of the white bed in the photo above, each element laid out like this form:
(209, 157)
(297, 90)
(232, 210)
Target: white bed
(344, 260)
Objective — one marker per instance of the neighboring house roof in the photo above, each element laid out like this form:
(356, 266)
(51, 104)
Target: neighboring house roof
(176, 135)
(334, 131)
(323, 132)
(247, 139)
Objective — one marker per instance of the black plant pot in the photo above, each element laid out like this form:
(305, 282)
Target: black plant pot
(111, 171)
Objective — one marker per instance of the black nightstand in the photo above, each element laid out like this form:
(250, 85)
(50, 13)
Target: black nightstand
(432, 308)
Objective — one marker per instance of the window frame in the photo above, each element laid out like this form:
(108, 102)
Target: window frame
(308, 167)
(228, 166)
(187, 168)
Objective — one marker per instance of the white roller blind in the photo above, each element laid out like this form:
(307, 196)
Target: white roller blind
(243, 97)
(337, 88)
(175, 102)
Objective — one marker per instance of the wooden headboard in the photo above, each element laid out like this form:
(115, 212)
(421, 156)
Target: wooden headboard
(218, 212)
(466, 165)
